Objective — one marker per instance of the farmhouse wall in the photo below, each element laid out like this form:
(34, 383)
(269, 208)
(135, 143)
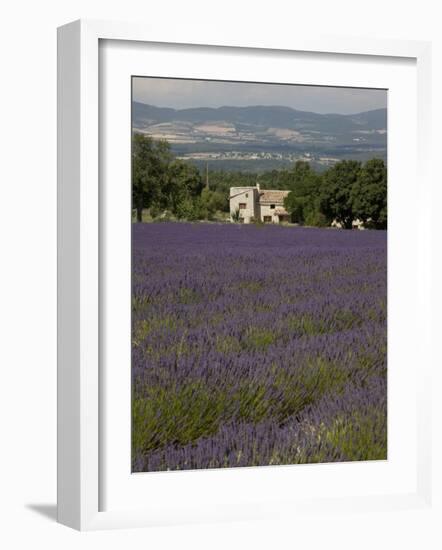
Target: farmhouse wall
(244, 199)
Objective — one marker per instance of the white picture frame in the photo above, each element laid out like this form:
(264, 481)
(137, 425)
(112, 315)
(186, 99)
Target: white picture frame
(80, 293)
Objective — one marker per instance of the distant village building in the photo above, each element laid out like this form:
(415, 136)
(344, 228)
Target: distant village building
(252, 204)
(356, 224)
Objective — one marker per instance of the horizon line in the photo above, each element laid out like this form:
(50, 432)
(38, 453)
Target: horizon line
(258, 105)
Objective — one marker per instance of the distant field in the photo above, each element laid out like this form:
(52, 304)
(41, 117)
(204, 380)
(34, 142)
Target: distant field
(257, 346)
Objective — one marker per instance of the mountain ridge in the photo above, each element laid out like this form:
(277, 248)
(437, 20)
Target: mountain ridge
(275, 133)
(257, 106)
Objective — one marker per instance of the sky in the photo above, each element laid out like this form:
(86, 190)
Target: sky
(182, 94)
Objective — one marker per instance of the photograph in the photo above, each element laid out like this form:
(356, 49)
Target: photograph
(259, 274)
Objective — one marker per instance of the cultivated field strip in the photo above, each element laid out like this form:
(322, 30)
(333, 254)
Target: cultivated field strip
(257, 345)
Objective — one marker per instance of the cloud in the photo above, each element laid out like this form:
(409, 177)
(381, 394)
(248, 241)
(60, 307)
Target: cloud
(180, 93)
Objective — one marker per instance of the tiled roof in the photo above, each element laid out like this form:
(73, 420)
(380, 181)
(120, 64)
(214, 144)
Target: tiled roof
(272, 197)
(281, 211)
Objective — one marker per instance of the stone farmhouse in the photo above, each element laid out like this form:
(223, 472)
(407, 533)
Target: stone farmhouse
(252, 204)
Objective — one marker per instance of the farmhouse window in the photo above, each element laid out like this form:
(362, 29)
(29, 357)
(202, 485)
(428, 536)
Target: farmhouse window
(267, 219)
(242, 205)
(272, 206)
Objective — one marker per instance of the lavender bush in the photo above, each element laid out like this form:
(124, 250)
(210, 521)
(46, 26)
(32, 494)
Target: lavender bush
(257, 346)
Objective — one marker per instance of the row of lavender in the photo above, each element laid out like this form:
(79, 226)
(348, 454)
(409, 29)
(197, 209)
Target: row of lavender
(257, 345)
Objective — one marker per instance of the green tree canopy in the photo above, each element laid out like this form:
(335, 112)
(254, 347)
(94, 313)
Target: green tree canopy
(336, 198)
(369, 194)
(159, 180)
(183, 183)
(150, 161)
(302, 203)
(213, 201)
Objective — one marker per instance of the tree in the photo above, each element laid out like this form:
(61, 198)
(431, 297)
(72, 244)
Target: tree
(369, 194)
(302, 202)
(183, 183)
(189, 209)
(150, 161)
(336, 197)
(212, 202)
(303, 180)
(295, 207)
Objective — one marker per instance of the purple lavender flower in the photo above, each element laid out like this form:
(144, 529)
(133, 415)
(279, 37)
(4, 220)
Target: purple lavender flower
(257, 346)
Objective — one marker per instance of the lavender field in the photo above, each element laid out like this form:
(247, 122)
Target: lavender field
(257, 346)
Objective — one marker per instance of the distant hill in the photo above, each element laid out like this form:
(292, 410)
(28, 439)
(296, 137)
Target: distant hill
(260, 115)
(274, 133)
